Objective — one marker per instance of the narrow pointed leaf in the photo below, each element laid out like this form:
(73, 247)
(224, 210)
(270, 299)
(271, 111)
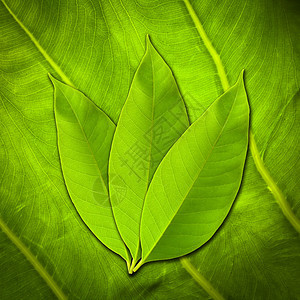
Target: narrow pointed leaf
(196, 183)
(153, 118)
(84, 138)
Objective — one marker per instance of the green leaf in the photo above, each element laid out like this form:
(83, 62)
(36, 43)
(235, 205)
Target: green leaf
(97, 46)
(152, 119)
(84, 135)
(196, 183)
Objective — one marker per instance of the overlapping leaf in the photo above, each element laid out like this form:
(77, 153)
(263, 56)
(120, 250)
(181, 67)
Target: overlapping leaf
(152, 119)
(84, 134)
(195, 185)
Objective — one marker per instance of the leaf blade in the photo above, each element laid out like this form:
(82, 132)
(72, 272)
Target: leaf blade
(193, 196)
(84, 134)
(152, 119)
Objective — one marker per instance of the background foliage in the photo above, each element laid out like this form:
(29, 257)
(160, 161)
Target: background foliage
(96, 46)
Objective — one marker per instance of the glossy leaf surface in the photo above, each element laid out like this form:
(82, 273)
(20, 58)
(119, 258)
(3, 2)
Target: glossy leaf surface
(84, 134)
(97, 46)
(196, 183)
(152, 119)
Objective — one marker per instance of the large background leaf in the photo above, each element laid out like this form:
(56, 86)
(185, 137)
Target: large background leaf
(96, 46)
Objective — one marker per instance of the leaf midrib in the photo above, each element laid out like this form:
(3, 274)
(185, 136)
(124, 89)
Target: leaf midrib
(33, 260)
(51, 62)
(200, 279)
(277, 193)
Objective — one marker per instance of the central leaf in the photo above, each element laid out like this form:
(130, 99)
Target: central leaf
(152, 119)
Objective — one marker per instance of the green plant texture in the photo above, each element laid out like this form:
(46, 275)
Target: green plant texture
(80, 94)
(170, 185)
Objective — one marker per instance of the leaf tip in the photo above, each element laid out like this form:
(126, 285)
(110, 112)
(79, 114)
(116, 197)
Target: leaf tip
(148, 41)
(52, 78)
(242, 74)
(240, 81)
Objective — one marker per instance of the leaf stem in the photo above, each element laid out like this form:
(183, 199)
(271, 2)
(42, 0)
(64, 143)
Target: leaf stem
(128, 266)
(199, 278)
(141, 262)
(130, 271)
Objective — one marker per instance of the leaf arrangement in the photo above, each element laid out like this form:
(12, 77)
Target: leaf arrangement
(95, 46)
(153, 187)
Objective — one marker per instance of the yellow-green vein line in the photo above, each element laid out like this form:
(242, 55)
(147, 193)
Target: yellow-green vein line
(52, 63)
(278, 195)
(14, 239)
(214, 54)
(33, 260)
(200, 279)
